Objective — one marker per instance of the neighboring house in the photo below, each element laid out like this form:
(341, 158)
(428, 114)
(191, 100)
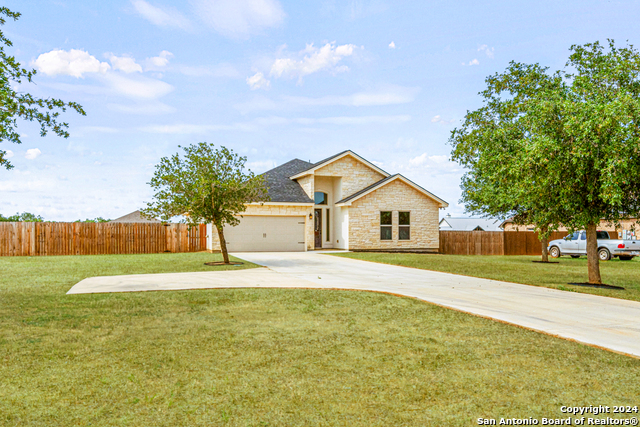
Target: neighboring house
(448, 223)
(135, 216)
(342, 202)
(628, 225)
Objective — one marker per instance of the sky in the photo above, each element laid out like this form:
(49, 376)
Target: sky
(271, 80)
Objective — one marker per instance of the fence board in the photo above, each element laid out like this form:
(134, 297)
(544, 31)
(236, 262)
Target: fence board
(75, 238)
(492, 242)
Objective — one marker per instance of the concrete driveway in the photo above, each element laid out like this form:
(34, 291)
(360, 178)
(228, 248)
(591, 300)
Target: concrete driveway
(610, 323)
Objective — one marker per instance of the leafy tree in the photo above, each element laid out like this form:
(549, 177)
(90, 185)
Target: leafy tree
(206, 185)
(22, 217)
(98, 219)
(560, 148)
(15, 105)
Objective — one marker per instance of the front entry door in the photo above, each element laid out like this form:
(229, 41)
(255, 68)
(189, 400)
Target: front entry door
(317, 228)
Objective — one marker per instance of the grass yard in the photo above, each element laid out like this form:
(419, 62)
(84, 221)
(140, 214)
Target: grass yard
(521, 269)
(268, 357)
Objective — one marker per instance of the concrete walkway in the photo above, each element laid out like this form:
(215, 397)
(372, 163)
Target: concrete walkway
(604, 322)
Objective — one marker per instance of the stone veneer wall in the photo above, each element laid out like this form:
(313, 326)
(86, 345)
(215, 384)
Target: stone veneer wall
(277, 210)
(364, 219)
(355, 175)
(307, 184)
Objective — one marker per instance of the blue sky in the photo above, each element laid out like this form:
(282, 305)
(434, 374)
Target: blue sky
(272, 80)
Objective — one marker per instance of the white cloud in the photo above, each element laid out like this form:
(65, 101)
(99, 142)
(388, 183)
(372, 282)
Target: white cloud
(489, 51)
(260, 122)
(388, 95)
(354, 120)
(378, 164)
(124, 63)
(148, 109)
(8, 154)
(32, 153)
(138, 87)
(424, 159)
(220, 70)
(161, 16)
(314, 60)
(257, 81)
(239, 18)
(21, 185)
(438, 119)
(474, 62)
(261, 166)
(392, 45)
(187, 129)
(161, 60)
(71, 63)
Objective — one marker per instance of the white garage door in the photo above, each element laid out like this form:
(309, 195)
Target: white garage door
(266, 234)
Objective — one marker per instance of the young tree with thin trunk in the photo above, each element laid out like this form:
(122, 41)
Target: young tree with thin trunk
(562, 147)
(205, 185)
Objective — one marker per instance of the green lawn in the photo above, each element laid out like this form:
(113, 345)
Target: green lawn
(521, 269)
(268, 357)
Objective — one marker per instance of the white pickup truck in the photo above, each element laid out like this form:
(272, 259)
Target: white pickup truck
(575, 245)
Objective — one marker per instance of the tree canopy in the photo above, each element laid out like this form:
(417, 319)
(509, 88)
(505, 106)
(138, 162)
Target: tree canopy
(16, 105)
(22, 217)
(557, 148)
(206, 185)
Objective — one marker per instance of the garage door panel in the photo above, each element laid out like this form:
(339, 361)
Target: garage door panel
(266, 234)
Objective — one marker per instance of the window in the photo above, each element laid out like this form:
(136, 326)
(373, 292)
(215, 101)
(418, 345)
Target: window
(583, 236)
(320, 198)
(385, 226)
(328, 216)
(404, 225)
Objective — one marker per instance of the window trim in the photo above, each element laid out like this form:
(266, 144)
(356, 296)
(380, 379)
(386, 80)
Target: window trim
(327, 224)
(404, 226)
(324, 202)
(386, 226)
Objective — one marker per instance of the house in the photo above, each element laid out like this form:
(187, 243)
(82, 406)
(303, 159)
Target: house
(448, 223)
(627, 226)
(341, 202)
(135, 216)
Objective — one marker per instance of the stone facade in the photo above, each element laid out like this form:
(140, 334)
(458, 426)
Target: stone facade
(364, 219)
(355, 175)
(275, 210)
(307, 184)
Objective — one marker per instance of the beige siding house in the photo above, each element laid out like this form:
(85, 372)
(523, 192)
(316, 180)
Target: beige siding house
(342, 202)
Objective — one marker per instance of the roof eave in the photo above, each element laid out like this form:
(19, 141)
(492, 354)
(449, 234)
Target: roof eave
(311, 171)
(441, 203)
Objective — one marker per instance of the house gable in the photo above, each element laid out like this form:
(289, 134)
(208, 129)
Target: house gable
(347, 201)
(396, 196)
(335, 158)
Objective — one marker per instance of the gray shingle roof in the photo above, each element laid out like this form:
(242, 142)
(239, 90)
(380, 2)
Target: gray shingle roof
(135, 216)
(283, 189)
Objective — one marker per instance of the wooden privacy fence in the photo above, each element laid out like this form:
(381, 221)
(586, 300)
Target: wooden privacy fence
(493, 242)
(77, 238)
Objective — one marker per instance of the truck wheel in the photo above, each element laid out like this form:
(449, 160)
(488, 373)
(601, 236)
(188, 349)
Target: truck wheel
(625, 258)
(604, 255)
(554, 252)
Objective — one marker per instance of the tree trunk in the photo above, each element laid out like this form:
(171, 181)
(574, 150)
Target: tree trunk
(593, 262)
(223, 244)
(544, 242)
